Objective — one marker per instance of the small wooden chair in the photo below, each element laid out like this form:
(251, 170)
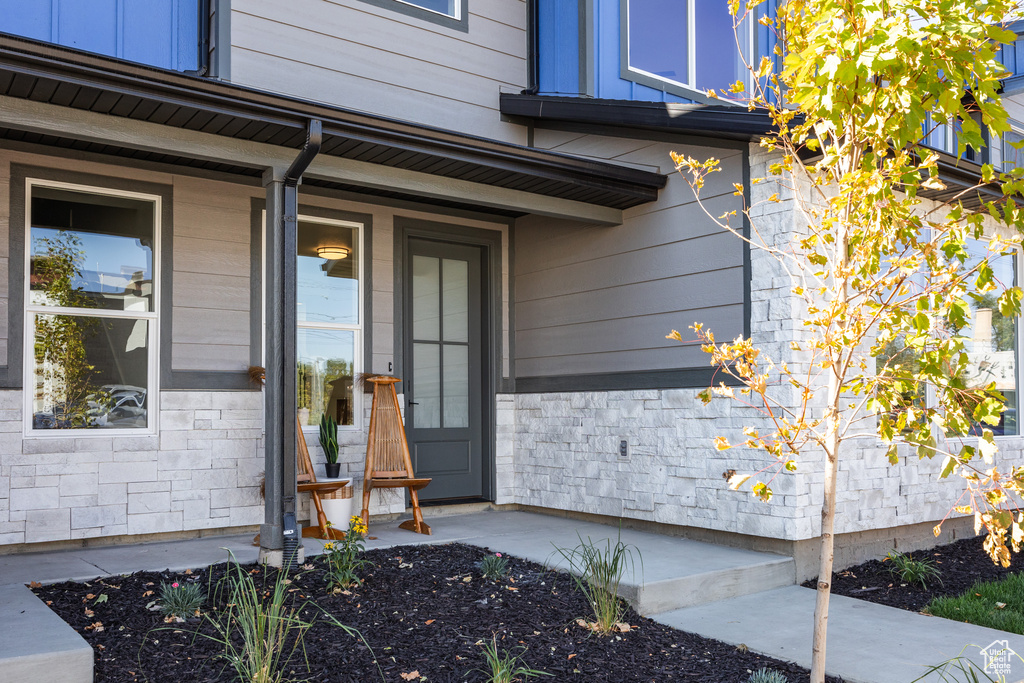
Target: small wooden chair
(388, 464)
(307, 483)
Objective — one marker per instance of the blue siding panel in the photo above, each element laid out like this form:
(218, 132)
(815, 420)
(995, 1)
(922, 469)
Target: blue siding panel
(90, 26)
(163, 33)
(144, 24)
(559, 46)
(29, 19)
(188, 35)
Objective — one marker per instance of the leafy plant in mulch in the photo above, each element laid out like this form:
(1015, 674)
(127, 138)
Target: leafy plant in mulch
(962, 563)
(181, 599)
(494, 567)
(344, 557)
(919, 571)
(767, 675)
(597, 571)
(506, 666)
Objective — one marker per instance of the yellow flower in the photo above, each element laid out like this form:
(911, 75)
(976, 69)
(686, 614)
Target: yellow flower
(328, 546)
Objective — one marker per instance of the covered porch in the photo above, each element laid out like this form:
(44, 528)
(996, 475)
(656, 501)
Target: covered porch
(226, 165)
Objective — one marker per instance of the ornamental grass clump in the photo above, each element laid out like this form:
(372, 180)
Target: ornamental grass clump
(344, 557)
(766, 675)
(260, 633)
(262, 629)
(912, 571)
(494, 567)
(181, 600)
(598, 572)
(506, 666)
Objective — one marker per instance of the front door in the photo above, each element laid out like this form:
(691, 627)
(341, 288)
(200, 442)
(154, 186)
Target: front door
(445, 367)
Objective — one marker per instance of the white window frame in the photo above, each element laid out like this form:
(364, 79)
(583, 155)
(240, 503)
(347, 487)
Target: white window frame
(357, 329)
(747, 27)
(31, 311)
(457, 15)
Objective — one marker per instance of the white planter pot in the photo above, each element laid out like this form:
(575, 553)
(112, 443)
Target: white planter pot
(338, 511)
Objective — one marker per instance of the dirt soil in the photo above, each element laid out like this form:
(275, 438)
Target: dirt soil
(960, 565)
(424, 610)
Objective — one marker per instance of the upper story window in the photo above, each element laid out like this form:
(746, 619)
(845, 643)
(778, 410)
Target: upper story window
(685, 43)
(1013, 149)
(162, 33)
(90, 308)
(448, 8)
(449, 13)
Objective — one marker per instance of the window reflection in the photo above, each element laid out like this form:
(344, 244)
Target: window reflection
(92, 255)
(328, 270)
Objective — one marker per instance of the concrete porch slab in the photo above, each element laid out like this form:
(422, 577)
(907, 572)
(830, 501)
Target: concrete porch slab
(36, 644)
(666, 573)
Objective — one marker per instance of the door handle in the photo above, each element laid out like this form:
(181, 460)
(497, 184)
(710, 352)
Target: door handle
(414, 403)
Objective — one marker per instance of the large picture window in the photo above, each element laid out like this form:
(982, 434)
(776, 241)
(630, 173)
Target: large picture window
(90, 323)
(689, 43)
(329, 320)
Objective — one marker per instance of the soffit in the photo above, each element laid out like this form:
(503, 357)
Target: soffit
(56, 75)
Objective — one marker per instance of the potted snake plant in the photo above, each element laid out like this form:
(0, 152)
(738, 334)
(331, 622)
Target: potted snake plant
(329, 442)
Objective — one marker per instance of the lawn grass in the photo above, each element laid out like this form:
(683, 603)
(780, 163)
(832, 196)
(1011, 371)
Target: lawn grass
(981, 605)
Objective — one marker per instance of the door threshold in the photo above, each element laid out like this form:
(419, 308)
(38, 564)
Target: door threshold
(452, 501)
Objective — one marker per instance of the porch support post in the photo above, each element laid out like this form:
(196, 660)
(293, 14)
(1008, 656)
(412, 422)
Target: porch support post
(280, 536)
(277, 398)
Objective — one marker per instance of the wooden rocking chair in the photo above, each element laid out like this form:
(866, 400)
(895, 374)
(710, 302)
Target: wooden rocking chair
(307, 483)
(388, 464)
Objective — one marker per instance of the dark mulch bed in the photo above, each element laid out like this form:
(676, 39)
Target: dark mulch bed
(422, 608)
(960, 564)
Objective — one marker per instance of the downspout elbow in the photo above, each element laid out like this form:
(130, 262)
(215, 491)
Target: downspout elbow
(314, 140)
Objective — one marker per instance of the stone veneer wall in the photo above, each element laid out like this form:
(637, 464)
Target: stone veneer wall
(564, 446)
(202, 471)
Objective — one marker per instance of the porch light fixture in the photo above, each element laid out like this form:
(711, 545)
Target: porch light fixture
(333, 253)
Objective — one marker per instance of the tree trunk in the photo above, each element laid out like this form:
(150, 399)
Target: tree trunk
(828, 518)
(833, 412)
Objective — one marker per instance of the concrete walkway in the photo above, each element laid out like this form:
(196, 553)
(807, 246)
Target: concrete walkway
(867, 643)
(732, 595)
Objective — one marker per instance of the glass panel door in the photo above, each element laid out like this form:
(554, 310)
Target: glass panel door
(444, 367)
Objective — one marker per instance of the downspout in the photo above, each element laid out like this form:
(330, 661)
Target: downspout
(203, 47)
(281, 348)
(532, 46)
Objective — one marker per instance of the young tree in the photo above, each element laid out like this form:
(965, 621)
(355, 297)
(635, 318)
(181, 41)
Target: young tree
(887, 280)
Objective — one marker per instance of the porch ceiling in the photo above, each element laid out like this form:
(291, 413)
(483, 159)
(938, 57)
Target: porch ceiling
(40, 72)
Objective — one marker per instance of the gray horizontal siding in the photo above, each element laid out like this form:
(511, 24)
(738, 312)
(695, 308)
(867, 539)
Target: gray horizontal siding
(358, 55)
(211, 293)
(592, 300)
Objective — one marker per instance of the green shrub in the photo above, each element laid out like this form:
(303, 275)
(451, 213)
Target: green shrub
(181, 599)
(912, 571)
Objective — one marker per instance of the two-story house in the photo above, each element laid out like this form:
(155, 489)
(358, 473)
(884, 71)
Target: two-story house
(490, 214)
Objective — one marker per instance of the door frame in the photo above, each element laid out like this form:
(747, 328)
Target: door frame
(490, 242)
